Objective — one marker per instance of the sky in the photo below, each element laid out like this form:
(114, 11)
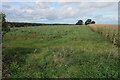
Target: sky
(56, 11)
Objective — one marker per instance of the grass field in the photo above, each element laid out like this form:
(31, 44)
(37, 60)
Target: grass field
(71, 51)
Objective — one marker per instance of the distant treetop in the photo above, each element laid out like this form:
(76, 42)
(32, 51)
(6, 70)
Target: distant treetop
(80, 22)
(88, 21)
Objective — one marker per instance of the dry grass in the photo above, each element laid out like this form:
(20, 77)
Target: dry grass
(109, 31)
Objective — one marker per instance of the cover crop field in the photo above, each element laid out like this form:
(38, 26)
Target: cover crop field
(62, 51)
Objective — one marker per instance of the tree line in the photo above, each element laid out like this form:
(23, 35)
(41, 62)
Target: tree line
(22, 24)
(88, 21)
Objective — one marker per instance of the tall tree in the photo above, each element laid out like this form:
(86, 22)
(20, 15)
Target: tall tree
(93, 22)
(88, 21)
(80, 22)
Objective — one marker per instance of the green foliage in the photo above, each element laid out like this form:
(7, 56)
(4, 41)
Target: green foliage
(14, 68)
(89, 21)
(66, 51)
(93, 22)
(80, 22)
(4, 24)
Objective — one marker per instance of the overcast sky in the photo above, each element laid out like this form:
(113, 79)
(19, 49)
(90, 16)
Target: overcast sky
(60, 12)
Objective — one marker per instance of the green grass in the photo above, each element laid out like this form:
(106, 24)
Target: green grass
(66, 51)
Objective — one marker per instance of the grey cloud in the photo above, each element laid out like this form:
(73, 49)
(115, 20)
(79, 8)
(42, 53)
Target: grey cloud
(6, 6)
(95, 4)
(105, 19)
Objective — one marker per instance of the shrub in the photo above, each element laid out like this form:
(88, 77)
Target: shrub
(4, 24)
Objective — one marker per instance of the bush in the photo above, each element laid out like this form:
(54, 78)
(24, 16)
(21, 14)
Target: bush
(4, 24)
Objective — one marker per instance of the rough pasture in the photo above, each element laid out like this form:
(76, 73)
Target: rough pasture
(62, 51)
